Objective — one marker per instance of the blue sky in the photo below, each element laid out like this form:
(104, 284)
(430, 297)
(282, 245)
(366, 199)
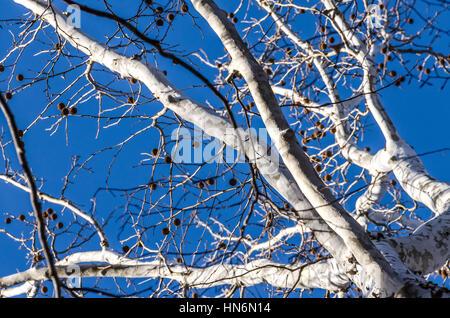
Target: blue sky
(420, 114)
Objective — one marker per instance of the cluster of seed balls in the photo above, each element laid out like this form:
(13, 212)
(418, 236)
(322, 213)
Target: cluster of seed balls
(47, 214)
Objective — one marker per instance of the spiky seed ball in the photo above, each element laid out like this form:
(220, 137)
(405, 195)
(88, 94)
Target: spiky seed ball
(353, 16)
(410, 21)
(392, 73)
(60, 225)
(381, 6)
(8, 96)
(333, 130)
(230, 15)
(168, 160)
(328, 178)
(318, 168)
(73, 110)
(176, 222)
(201, 185)
(159, 10)
(125, 249)
(384, 50)
(184, 8)
(130, 100)
(160, 22)
(402, 78)
(49, 211)
(305, 140)
(165, 231)
(268, 71)
(19, 77)
(2, 68)
(45, 214)
(381, 66)
(328, 153)
(210, 181)
(8, 220)
(65, 111)
(302, 11)
(170, 17)
(44, 289)
(389, 57)
(153, 186)
(282, 82)
(393, 183)
(427, 71)
(22, 217)
(54, 216)
(232, 182)
(235, 20)
(38, 257)
(61, 106)
(330, 40)
(419, 68)
(154, 151)
(133, 80)
(322, 29)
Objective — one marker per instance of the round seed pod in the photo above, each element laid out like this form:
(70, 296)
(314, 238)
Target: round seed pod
(330, 40)
(318, 168)
(73, 110)
(328, 153)
(235, 20)
(393, 183)
(20, 133)
(54, 216)
(19, 77)
(232, 182)
(130, 100)
(38, 257)
(302, 11)
(392, 73)
(305, 149)
(154, 151)
(2, 68)
(201, 185)
(323, 46)
(353, 16)
(49, 211)
(170, 17)
(176, 222)
(427, 71)
(210, 181)
(65, 111)
(44, 289)
(22, 217)
(222, 245)
(8, 96)
(165, 231)
(168, 160)
(159, 10)
(179, 260)
(367, 149)
(160, 22)
(184, 8)
(133, 80)
(125, 249)
(322, 29)
(60, 225)
(230, 15)
(194, 295)
(420, 68)
(333, 130)
(61, 106)
(153, 186)
(384, 50)
(327, 178)
(410, 21)
(8, 220)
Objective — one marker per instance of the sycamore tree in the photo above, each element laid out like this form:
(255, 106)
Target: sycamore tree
(218, 149)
